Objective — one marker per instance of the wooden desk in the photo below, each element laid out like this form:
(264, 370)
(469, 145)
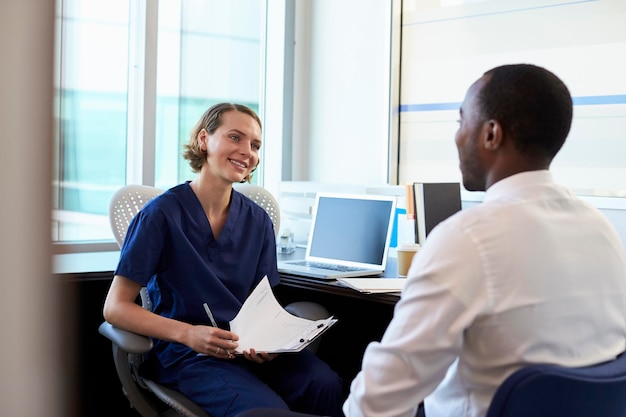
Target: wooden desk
(332, 287)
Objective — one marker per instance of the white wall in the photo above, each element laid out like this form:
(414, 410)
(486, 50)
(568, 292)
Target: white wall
(32, 381)
(341, 91)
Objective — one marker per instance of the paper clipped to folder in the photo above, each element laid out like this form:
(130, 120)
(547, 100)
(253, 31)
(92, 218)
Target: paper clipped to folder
(265, 326)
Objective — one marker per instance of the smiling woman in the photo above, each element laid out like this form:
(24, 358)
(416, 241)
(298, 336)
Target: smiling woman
(227, 121)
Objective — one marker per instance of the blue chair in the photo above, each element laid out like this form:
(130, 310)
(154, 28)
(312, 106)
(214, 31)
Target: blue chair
(555, 391)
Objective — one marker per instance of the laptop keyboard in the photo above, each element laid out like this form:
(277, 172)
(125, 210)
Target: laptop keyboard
(332, 267)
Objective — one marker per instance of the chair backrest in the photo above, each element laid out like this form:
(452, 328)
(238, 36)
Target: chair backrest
(263, 198)
(125, 203)
(129, 199)
(554, 391)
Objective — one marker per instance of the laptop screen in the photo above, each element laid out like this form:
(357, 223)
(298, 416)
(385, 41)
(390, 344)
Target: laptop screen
(351, 229)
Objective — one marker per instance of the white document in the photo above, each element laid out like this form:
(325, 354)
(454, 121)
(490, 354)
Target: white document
(264, 325)
(374, 285)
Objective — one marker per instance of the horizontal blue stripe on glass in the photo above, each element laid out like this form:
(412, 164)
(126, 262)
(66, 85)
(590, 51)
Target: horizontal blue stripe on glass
(495, 12)
(591, 100)
(578, 101)
(429, 107)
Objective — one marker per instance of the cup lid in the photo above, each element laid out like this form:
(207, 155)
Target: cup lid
(408, 246)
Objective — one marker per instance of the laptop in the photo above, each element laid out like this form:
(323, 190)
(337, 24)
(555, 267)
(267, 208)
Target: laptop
(349, 237)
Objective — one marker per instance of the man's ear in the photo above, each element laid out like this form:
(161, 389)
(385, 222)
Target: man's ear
(492, 135)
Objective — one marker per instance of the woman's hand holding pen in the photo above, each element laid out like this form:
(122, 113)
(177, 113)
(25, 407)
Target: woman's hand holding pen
(220, 349)
(213, 341)
(220, 343)
(230, 337)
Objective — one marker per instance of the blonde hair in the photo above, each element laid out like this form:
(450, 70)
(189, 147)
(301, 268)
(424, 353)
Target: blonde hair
(211, 120)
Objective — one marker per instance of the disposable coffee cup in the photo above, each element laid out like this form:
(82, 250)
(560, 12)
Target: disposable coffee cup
(406, 252)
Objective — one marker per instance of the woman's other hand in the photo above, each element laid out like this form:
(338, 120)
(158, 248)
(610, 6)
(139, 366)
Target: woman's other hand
(258, 357)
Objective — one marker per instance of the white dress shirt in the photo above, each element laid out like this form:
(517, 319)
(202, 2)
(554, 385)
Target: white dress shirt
(531, 275)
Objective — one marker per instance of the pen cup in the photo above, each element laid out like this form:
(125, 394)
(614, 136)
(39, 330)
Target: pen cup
(285, 243)
(406, 252)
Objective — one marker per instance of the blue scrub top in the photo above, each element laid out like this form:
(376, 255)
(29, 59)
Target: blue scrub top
(170, 249)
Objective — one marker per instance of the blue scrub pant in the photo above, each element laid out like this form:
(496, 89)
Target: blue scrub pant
(297, 381)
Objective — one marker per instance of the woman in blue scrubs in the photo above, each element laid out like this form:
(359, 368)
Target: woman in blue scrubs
(203, 242)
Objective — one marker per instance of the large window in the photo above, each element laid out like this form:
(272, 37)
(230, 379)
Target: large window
(132, 79)
(448, 44)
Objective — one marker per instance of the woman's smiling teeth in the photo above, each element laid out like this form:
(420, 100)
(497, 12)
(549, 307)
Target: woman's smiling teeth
(238, 163)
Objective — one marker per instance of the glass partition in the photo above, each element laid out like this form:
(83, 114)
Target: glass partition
(448, 44)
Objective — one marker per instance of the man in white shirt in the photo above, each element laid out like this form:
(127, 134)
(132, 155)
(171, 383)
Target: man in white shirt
(531, 275)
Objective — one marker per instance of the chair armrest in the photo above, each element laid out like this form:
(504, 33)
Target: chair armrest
(308, 310)
(127, 341)
(136, 343)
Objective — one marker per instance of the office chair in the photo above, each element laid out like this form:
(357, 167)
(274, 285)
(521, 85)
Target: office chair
(264, 199)
(555, 391)
(149, 398)
(124, 204)
(128, 200)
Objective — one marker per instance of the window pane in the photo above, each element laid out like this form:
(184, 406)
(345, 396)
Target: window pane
(91, 114)
(208, 52)
(447, 45)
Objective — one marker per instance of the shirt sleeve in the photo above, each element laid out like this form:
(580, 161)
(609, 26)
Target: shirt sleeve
(268, 263)
(143, 245)
(441, 298)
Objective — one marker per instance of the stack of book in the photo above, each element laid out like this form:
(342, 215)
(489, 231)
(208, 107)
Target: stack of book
(428, 204)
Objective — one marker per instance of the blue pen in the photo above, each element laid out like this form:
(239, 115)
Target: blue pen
(208, 313)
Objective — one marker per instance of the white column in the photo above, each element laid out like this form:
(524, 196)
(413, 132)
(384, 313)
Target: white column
(31, 379)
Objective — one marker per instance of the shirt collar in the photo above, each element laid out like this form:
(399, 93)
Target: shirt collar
(511, 186)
